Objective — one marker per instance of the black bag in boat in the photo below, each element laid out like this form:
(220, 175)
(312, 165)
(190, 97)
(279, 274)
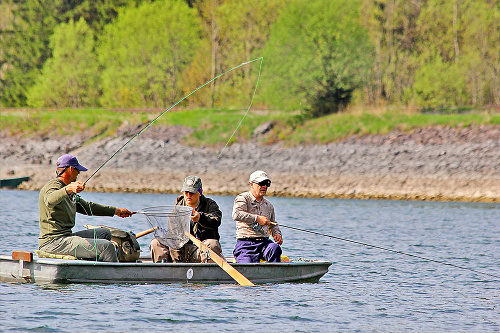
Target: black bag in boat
(125, 242)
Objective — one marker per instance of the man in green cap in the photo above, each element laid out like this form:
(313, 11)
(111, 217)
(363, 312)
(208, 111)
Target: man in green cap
(205, 222)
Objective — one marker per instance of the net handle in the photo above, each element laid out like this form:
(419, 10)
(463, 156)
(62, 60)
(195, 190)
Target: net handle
(166, 210)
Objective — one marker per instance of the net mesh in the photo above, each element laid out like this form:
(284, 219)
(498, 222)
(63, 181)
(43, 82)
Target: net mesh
(171, 223)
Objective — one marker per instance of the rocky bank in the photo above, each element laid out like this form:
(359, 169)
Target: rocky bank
(459, 164)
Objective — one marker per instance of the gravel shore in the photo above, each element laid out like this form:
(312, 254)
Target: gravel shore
(428, 164)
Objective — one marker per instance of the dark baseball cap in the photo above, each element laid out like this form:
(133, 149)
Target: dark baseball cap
(68, 160)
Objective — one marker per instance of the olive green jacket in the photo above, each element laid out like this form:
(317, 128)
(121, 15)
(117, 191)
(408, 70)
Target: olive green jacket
(57, 210)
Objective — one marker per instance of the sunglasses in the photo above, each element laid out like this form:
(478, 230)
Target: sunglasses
(264, 182)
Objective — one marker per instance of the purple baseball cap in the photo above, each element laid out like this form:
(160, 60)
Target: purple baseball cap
(68, 160)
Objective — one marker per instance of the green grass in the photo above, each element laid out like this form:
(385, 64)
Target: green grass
(64, 122)
(335, 127)
(215, 126)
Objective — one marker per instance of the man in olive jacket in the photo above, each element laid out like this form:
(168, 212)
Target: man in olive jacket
(205, 221)
(58, 204)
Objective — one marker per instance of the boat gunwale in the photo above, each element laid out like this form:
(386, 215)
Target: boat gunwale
(71, 262)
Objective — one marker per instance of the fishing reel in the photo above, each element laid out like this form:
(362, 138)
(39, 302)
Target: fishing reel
(256, 226)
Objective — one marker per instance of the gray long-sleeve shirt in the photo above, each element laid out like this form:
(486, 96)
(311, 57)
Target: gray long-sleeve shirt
(245, 211)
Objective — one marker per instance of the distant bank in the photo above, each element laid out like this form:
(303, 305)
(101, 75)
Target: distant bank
(431, 163)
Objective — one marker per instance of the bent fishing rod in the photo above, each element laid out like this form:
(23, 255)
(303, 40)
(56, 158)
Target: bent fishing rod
(174, 105)
(381, 248)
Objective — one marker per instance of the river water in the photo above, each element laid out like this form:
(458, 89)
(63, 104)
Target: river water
(366, 289)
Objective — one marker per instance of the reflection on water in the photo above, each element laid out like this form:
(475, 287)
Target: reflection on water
(366, 289)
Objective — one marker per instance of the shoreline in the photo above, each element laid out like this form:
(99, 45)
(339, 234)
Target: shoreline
(432, 164)
(351, 194)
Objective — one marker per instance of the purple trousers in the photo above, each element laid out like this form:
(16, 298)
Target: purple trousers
(250, 250)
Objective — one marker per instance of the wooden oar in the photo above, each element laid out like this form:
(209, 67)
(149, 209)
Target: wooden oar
(237, 276)
(145, 232)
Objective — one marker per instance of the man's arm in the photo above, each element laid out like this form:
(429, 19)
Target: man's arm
(54, 195)
(240, 210)
(211, 219)
(93, 209)
(274, 230)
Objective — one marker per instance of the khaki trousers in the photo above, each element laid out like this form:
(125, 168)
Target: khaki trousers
(85, 244)
(188, 253)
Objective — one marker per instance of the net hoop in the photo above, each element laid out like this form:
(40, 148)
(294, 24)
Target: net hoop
(171, 223)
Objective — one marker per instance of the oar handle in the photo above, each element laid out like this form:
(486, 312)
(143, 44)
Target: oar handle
(145, 232)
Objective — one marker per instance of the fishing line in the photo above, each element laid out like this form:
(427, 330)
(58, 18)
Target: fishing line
(95, 237)
(390, 250)
(170, 108)
(248, 109)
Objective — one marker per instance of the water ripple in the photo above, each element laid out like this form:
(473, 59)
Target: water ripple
(365, 290)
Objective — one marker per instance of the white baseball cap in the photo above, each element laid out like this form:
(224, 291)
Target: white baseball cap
(258, 176)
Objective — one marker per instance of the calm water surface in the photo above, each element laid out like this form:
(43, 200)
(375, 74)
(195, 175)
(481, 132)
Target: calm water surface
(365, 290)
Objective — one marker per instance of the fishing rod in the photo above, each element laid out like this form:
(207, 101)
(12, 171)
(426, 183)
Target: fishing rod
(255, 227)
(170, 108)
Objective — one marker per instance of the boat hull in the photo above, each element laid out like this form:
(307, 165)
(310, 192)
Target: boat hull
(46, 270)
(13, 182)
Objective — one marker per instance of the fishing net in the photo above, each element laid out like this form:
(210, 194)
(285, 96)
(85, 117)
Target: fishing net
(171, 223)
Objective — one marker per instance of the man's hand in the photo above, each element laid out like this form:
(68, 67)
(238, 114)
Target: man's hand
(123, 212)
(75, 187)
(262, 220)
(278, 239)
(195, 216)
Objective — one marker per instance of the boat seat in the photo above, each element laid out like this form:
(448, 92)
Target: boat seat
(43, 254)
(283, 259)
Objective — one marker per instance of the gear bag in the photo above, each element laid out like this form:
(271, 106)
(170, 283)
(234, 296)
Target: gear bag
(128, 249)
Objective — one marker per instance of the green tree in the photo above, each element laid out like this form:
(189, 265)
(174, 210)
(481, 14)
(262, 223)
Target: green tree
(244, 29)
(440, 84)
(392, 26)
(236, 31)
(317, 55)
(204, 67)
(439, 80)
(98, 13)
(480, 50)
(69, 78)
(25, 46)
(459, 54)
(144, 53)
(25, 30)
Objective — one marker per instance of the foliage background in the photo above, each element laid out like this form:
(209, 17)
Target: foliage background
(320, 56)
